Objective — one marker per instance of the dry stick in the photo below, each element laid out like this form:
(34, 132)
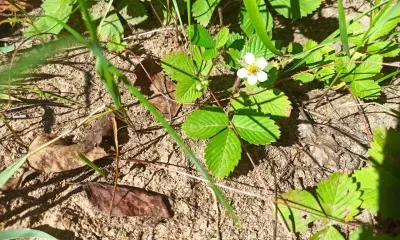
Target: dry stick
(149, 32)
(115, 131)
(363, 118)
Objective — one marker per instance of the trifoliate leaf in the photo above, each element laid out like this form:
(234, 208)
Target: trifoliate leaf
(111, 32)
(256, 129)
(203, 10)
(271, 102)
(368, 89)
(223, 153)
(295, 9)
(380, 182)
(328, 233)
(199, 36)
(257, 47)
(222, 37)
(386, 48)
(351, 71)
(205, 122)
(245, 22)
(299, 208)
(178, 66)
(60, 9)
(304, 77)
(186, 90)
(339, 197)
(133, 12)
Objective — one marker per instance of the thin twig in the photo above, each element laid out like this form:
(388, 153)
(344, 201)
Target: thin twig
(363, 119)
(115, 131)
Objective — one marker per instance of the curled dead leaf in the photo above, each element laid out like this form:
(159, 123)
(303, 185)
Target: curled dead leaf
(128, 201)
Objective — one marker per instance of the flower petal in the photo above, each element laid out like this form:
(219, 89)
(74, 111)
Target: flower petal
(261, 76)
(252, 79)
(242, 73)
(261, 63)
(249, 58)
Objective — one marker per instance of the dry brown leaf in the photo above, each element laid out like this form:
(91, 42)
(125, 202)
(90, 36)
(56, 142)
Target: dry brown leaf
(162, 87)
(59, 157)
(5, 6)
(128, 201)
(167, 87)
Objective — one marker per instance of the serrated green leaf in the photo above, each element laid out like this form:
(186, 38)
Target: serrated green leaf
(245, 21)
(299, 208)
(111, 32)
(199, 36)
(271, 102)
(356, 32)
(60, 9)
(380, 182)
(205, 122)
(235, 41)
(222, 37)
(325, 73)
(257, 47)
(328, 233)
(133, 11)
(178, 66)
(203, 10)
(256, 129)
(351, 71)
(186, 91)
(210, 54)
(295, 9)
(368, 89)
(304, 77)
(315, 57)
(339, 197)
(386, 48)
(223, 153)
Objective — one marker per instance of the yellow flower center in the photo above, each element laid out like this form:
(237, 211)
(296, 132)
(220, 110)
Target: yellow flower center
(253, 69)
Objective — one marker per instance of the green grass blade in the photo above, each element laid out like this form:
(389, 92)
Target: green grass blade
(8, 172)
(189, 13)
(343, 28)
(330, 39)
(196, 162)
(379, 23)
(256, 21)
(179, 16)
(90, 164)
(88, 21)
(24, 233)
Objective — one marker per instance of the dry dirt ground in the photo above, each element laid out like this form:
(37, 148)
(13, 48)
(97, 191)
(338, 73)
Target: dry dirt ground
(53, 203)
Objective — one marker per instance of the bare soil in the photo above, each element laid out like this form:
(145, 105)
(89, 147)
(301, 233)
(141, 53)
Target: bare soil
(56, 203)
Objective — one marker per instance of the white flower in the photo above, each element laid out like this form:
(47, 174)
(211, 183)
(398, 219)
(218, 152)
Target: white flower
(253, 69)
